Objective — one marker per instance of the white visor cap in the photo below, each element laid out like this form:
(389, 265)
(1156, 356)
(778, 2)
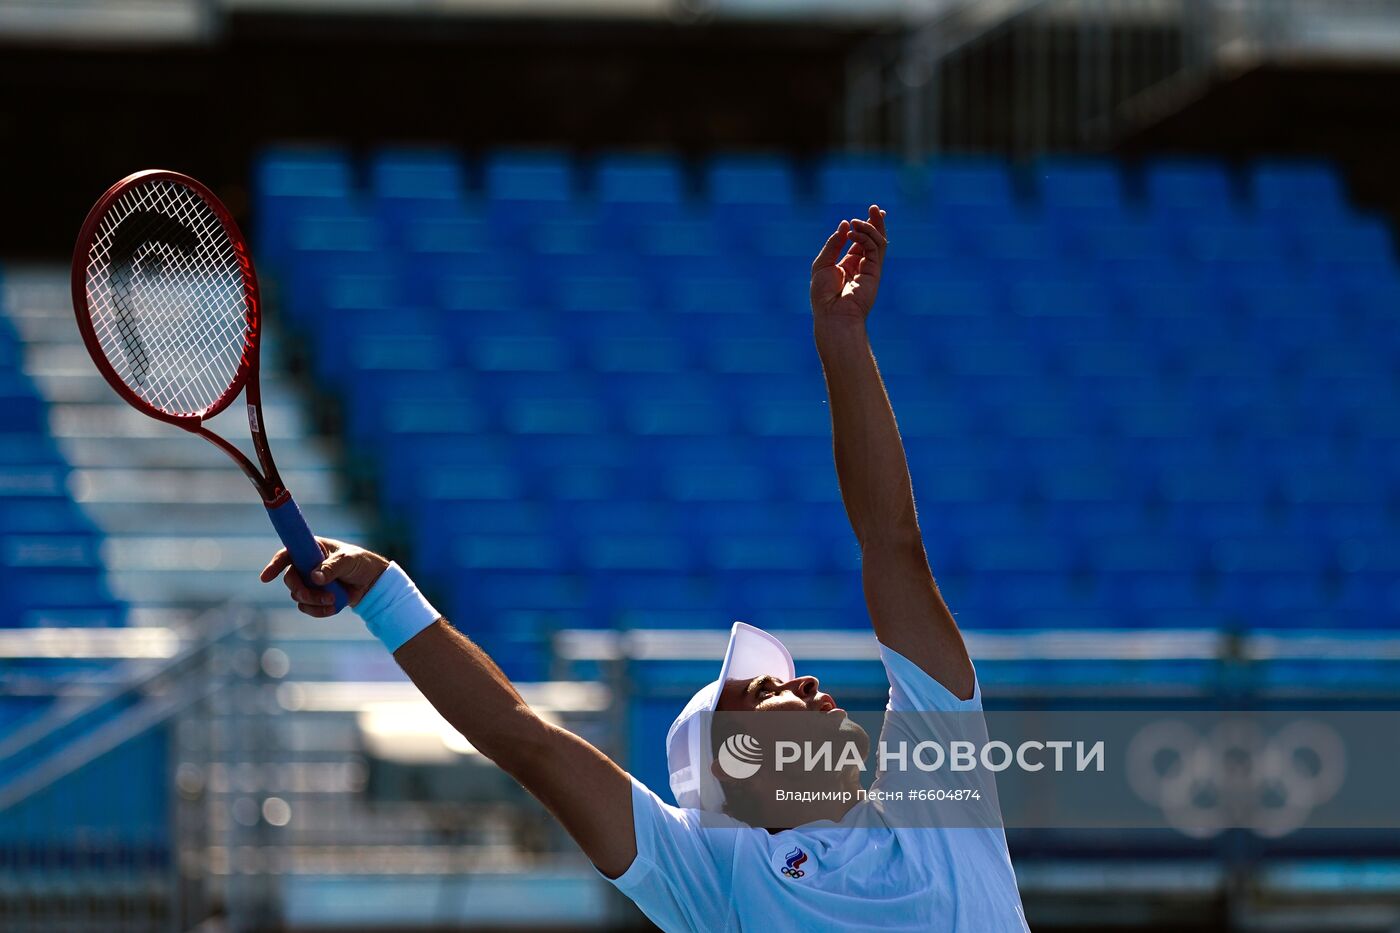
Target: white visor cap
(752, 652)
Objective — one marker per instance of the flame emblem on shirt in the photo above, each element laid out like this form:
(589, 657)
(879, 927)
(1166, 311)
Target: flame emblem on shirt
(794, 861)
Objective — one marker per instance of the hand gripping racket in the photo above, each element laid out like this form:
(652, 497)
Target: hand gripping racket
(167, 303)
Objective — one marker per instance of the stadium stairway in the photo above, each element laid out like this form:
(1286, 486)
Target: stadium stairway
(182, 538)
(183, 528)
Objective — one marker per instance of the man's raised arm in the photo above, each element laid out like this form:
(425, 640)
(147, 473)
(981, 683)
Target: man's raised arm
(589, 794)
(908, 613)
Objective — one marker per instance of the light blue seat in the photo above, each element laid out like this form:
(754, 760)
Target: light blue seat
(633, 189)
(526, 176)
(410, 184)
(417, 175)
(739, 186)
(293, 183)
(969, 191)
(848, 184)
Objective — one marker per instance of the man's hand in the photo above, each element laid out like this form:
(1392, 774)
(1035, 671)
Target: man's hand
(844, 287)
(354, 567)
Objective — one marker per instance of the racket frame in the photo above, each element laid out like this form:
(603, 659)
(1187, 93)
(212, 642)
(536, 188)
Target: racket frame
(268, 482)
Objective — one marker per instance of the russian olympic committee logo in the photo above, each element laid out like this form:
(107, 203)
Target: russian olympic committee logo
(740, 756)
(1235, 775)
(790, 863)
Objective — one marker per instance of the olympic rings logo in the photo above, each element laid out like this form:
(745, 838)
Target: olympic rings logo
(1235, 775)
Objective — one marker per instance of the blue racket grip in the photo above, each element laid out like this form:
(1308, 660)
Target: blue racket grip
(303, 547)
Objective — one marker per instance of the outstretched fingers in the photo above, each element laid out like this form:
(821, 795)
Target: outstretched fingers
(877, 217)
(832, 248)
(868, 236)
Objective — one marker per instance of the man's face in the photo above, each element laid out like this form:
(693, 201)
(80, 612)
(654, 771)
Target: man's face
(768, 692)
(824, 722)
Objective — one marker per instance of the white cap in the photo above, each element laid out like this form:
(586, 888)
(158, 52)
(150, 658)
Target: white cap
(752, 652)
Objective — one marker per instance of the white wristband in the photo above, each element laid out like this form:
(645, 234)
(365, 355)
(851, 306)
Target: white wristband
(393, 610)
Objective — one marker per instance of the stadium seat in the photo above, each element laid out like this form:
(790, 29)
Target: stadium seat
(636, 189)
(1115, 417)
(970, 192)
(290, 184)
(1180, 188)
(1298, 190)
(1080, 187)
(750, 182)
(848, 184)
(524, 176)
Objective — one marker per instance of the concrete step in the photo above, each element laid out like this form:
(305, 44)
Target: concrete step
(186, 552)
(177, 450)
(65, 372)
(170, 570)
(202, 589)
(112, 418)
(227, 484)
(201, 519)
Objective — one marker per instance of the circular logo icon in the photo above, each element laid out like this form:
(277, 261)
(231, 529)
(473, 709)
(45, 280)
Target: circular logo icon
(740, 756)
(792, 862)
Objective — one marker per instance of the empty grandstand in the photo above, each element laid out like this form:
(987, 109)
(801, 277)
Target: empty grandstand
(552, 350)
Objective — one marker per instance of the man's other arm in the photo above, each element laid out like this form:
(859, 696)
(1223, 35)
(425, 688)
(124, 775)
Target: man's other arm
(905, 606)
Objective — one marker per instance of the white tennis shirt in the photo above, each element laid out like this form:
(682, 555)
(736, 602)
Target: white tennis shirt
(858, 874)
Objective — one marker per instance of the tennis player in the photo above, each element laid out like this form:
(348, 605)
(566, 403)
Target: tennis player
(698, 865)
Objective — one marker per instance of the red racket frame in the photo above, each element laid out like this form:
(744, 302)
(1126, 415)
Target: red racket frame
(269, 481)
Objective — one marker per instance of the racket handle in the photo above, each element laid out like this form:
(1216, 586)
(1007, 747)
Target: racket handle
(303, 547)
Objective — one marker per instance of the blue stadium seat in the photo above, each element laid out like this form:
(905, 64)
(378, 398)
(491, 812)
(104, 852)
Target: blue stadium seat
(970, 190)
(293, 183)
(525, 176)
(848, 184)
(411, 184)
(633, 189)
(21, 411)
(744, 185)
(1298, 190)
(1183, 415)
(1186, 187)
(1080, 187)
(417, 175)
(303, 172)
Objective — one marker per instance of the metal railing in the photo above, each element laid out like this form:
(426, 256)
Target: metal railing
(1026, 76)
(91, 837)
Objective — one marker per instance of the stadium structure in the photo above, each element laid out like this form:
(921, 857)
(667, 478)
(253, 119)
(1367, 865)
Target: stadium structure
(538, 328)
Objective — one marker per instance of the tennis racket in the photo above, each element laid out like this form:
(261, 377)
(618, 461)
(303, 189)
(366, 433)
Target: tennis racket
(167, 303)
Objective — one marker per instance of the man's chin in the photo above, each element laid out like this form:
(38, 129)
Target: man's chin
(850, 731)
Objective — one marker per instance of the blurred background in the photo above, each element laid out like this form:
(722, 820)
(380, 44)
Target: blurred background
(536, 279)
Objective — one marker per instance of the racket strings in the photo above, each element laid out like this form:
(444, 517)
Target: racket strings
(147, 273)
(188, 358)
(166, 299)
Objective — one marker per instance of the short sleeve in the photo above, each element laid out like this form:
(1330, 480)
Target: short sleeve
(913, 690)
(679, 878)
(921, 711)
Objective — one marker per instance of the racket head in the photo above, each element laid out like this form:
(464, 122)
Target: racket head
(166, 298)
